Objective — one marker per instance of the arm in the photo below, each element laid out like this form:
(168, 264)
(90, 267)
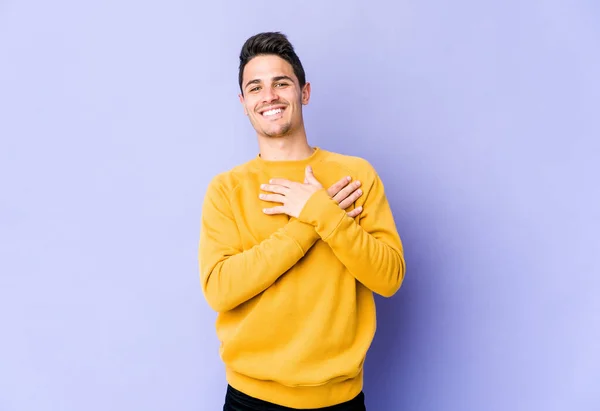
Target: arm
(371, 249)
(231, 276)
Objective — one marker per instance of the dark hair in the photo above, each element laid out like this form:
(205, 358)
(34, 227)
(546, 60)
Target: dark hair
(274, 43)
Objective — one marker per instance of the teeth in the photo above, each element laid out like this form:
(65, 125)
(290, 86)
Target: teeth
(272, 112)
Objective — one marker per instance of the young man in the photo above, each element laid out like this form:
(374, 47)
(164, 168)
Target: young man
(291, 267)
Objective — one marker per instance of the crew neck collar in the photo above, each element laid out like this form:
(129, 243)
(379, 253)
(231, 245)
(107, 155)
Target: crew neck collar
(316, 156)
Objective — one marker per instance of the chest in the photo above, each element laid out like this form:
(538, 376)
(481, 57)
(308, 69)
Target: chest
(253, 224)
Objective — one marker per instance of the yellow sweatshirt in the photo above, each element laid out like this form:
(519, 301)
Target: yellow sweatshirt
(294, 296)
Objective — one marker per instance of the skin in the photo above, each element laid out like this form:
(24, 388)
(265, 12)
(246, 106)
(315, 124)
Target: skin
(269, 82)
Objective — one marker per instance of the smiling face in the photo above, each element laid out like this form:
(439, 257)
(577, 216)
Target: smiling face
(272, 97)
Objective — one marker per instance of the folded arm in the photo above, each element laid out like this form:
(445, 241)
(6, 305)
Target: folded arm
(231, 276)
(371, 248)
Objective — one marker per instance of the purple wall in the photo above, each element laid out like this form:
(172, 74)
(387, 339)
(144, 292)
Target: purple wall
(481, 117)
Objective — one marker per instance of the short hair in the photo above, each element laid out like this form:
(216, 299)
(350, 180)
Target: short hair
(270, 43)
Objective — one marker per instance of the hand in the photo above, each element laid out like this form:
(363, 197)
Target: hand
(345, 194)
(291, 194)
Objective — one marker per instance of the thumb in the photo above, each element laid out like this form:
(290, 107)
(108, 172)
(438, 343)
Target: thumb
(310, 177)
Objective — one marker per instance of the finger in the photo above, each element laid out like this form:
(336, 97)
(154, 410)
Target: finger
(281, 182)
(355, 212)
(346, 191)
(275, 198)
(274, 210)
(347, 202)
(335, 188)
(274, 188)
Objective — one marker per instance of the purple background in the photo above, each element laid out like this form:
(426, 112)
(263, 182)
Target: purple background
(481, 117)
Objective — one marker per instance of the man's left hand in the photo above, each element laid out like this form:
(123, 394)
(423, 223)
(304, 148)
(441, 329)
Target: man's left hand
(292, 195)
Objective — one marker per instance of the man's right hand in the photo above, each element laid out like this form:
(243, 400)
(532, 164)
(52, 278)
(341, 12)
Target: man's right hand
(346, 193)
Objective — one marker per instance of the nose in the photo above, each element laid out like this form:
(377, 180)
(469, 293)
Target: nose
(269, 95)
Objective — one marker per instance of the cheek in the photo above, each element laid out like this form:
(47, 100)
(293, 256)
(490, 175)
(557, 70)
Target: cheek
(254, 116)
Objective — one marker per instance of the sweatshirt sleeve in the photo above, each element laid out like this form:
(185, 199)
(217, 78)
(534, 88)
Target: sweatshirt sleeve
(230, 275)
(371, 248)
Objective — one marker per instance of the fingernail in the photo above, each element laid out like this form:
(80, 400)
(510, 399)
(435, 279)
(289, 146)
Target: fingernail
(359, 192)
(357, 184)
(349, 178)
(261, 196)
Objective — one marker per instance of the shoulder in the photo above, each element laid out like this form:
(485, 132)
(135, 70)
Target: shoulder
(357, 165)
(225, 183)
(360, 169)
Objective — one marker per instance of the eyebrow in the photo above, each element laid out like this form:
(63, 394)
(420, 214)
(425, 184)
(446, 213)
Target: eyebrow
(276, 78)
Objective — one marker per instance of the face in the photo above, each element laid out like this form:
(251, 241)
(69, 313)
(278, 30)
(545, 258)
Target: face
(272, 97)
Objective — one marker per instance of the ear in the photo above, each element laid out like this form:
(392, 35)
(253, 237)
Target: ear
(306, 93)
(241, 97)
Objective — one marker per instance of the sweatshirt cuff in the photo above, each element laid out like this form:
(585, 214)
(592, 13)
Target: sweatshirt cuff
(302, 233)
(323, 213)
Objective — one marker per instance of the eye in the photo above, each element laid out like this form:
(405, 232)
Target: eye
(252, 90)
(282, 84)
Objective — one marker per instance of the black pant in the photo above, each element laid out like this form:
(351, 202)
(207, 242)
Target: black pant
(238, 401)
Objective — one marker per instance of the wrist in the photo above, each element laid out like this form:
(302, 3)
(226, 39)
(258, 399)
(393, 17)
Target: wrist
(303, 233)
(322, 212)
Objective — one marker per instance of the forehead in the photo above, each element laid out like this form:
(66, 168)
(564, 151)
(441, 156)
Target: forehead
(266, 67)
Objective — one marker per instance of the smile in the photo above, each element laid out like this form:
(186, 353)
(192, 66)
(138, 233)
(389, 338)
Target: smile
(273, 113)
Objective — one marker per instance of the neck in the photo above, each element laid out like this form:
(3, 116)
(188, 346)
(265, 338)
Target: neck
(284, 148)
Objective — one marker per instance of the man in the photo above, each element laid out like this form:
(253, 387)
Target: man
(291, 267)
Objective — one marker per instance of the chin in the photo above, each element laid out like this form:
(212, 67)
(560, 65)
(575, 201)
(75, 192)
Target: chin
(278, 132)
